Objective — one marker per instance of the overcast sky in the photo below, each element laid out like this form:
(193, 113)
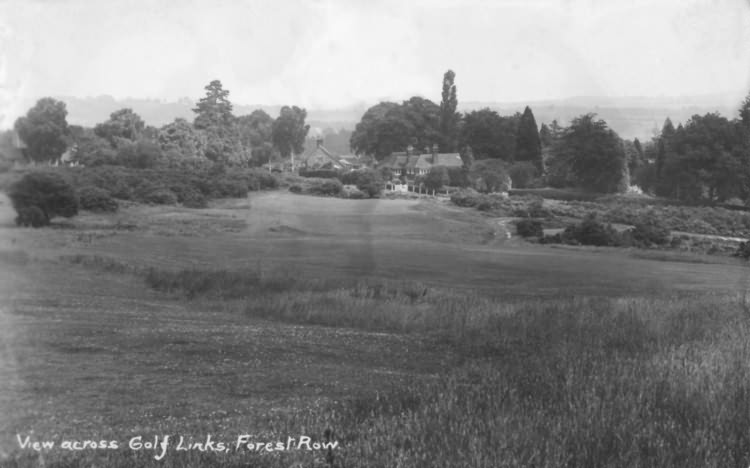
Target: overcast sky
(331, 53)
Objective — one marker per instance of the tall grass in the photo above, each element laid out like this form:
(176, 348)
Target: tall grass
(569, 382)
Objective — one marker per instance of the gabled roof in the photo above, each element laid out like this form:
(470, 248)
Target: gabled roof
(448, 160)
(422, 161)
(321, 155)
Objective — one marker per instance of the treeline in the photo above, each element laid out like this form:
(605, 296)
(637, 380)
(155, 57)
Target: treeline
(706, 160)
(216, 136)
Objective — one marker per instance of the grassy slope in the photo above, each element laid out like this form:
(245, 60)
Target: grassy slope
(88, 353)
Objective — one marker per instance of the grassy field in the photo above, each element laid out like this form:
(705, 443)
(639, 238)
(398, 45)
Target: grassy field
(413, 329)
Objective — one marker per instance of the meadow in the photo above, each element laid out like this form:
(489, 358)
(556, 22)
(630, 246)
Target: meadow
(412, 332)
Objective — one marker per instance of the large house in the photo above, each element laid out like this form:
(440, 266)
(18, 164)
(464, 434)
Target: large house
(410, 164)
(321, 158)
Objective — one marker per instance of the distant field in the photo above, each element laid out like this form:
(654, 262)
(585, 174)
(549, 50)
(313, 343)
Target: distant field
(91, 351)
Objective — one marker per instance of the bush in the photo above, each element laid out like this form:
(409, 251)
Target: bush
(326, 187)
(467, 198)
(529, 228)
(31, 216)
(588, 232)
(188, 196)
(260, 180)
(159, 196)
(743, 250)
(319, 173)
(368, 181)
(46, 192)
(591, 232)
(295, 188)
(96, 199)
(225, 187)
(649, 230)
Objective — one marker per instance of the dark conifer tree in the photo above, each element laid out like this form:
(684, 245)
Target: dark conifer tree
(528, 143)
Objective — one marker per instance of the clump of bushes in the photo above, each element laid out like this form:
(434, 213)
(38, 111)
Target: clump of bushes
(352, 192)
(743, 251)
(319, 173)
(191, 185)
(40, 196)
(590, 231)
(529, 228)
(328, 187)
(367, 181)
(159, 196)
(31, 216)
(468, 198)
(649, 231)
(96, 199)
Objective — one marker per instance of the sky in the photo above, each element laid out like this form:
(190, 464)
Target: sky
(326, 54)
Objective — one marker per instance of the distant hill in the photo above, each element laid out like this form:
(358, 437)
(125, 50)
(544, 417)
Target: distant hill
(628, 116)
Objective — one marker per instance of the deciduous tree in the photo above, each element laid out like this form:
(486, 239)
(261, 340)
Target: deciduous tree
(289, 131)
(595, 154)
(122, 124)
(44, 130)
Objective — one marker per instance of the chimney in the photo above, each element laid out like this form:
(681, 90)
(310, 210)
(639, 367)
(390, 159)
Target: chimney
(319, 142)
(409, 150)
(434, 152)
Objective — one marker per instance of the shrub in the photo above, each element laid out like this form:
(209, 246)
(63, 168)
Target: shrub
(96, 199)
(225, 187)
(368, 181)
(319, 173)
(649, 230)
(468, 198)
(295, 188)
(588, 232)
(353, 192)
(159, 196)
(267, 180)
(529, 228)
(46, 192)
(326, 187)
(592, 232)
(31, 216)
(743, 250)
(188, 196)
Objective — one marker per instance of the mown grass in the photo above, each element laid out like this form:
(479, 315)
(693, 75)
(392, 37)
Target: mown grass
(565, 382)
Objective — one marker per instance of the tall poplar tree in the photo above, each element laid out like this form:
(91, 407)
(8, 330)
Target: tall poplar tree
(448, 115)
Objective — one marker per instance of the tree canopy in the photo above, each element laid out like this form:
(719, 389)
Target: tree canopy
(122, 124)
(181, 136)
(44, 129)
(489, 135)
(388, 127)
(289, 131)
(595, 154)
(214, 116)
